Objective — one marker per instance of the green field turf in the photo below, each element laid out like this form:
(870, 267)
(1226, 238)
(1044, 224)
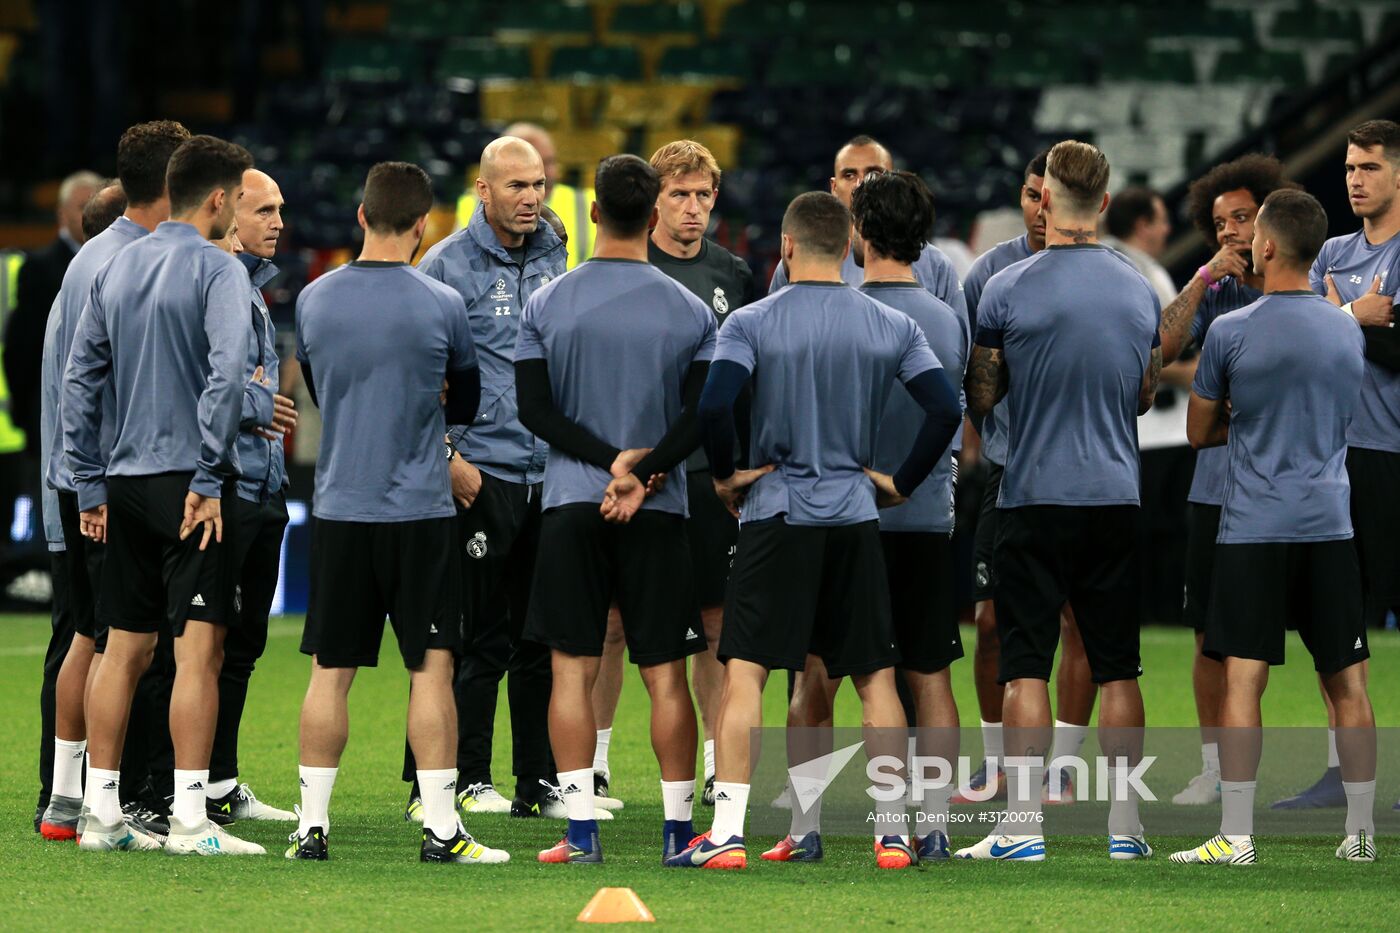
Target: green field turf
(375, 881)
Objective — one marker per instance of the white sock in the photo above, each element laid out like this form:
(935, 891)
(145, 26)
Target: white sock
(102, 798)
(577, 788)
(68, 767)
(439, 792)
(189, 805)
(1333, 759)
(678, 799)
(802, 822)
(316, 787)
(933, 812)
(1210, 757)
(1237, 809)
(1361, 805)
(1069, 739)
(709, 758)
(890, 820)
(992, 744)
(217, 789)
(731, 806)
(600, 752)
(1024, 777)
(1123, 819)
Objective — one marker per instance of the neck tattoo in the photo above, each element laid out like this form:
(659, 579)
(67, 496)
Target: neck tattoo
(1078, 235)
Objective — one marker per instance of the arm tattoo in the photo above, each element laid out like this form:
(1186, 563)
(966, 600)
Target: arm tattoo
(1177, 318)
(1148, 394)
(987, 379)
(1078, 234)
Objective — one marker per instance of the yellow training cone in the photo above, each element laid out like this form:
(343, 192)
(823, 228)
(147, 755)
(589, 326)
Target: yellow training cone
(616, 905)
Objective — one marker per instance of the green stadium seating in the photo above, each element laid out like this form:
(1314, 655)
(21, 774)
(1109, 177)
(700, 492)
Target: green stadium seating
(1262, 66)
(438, 19)
(1137, 64)
(1209, 23)
(595, 62)
(817, 65)
(553, 18)
(483, 59)
(650, 19)
(1034, 67)
(714, 60)
(356, 59)
(1310, 24)
(766, 19)
(924, 65)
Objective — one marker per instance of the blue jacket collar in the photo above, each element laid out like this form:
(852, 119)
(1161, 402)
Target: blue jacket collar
(260, 271)
(543, 240)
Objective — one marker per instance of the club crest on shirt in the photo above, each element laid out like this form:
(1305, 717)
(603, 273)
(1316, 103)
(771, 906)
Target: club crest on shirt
(720, 303)
(476, 547)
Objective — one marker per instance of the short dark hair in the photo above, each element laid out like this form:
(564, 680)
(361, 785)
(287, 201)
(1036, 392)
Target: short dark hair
(819, 222)
(1036, 166)
(1296, 223)
(199, 166)
(102, 209)
(1127, 207)
(894, 213)
(864, 139)
(1383, 133)
(143, 155)
(625, 187)
(396, 195)
(1260, 175)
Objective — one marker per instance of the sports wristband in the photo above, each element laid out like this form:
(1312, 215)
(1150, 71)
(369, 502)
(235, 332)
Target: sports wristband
(1204, 273)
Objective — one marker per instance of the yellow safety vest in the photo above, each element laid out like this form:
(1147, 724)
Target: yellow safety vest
(11, 438)
(570, 203)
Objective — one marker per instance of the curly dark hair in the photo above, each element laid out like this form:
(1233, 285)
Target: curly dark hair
(143, 154)
(894, 213)
(1259, 174)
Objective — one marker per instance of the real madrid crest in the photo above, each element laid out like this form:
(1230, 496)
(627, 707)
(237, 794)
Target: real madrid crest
(476, 547)
(721, 303)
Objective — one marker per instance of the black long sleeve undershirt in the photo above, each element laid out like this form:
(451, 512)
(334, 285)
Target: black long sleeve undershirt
(544, 419)
(942, 415)
(1383, 346)
(310, 382)
(684, 434)
(722, 388)
(463, 395)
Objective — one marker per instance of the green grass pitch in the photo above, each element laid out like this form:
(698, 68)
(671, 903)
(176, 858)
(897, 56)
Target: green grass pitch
(375, 881)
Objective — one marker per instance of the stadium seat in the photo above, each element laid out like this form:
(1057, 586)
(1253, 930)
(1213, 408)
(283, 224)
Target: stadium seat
(722, 140)
(712, 60)
(654, 103)
(531, 20)
(817, 64)
(1034, 67)
(1261, 66)
(928, 66)
(1086, 107)
(545, 102)
(1140, 64)
(653, 19)
(356, 59)
(483, 59)
(361, 18)
(595, 62)
(1208, 25)
(1309, 24)
(438, 19)
(581, 150)
(757, 20)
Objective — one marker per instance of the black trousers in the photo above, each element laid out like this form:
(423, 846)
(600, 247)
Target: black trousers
(257, 557)
(498, 538)
(60, 638)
